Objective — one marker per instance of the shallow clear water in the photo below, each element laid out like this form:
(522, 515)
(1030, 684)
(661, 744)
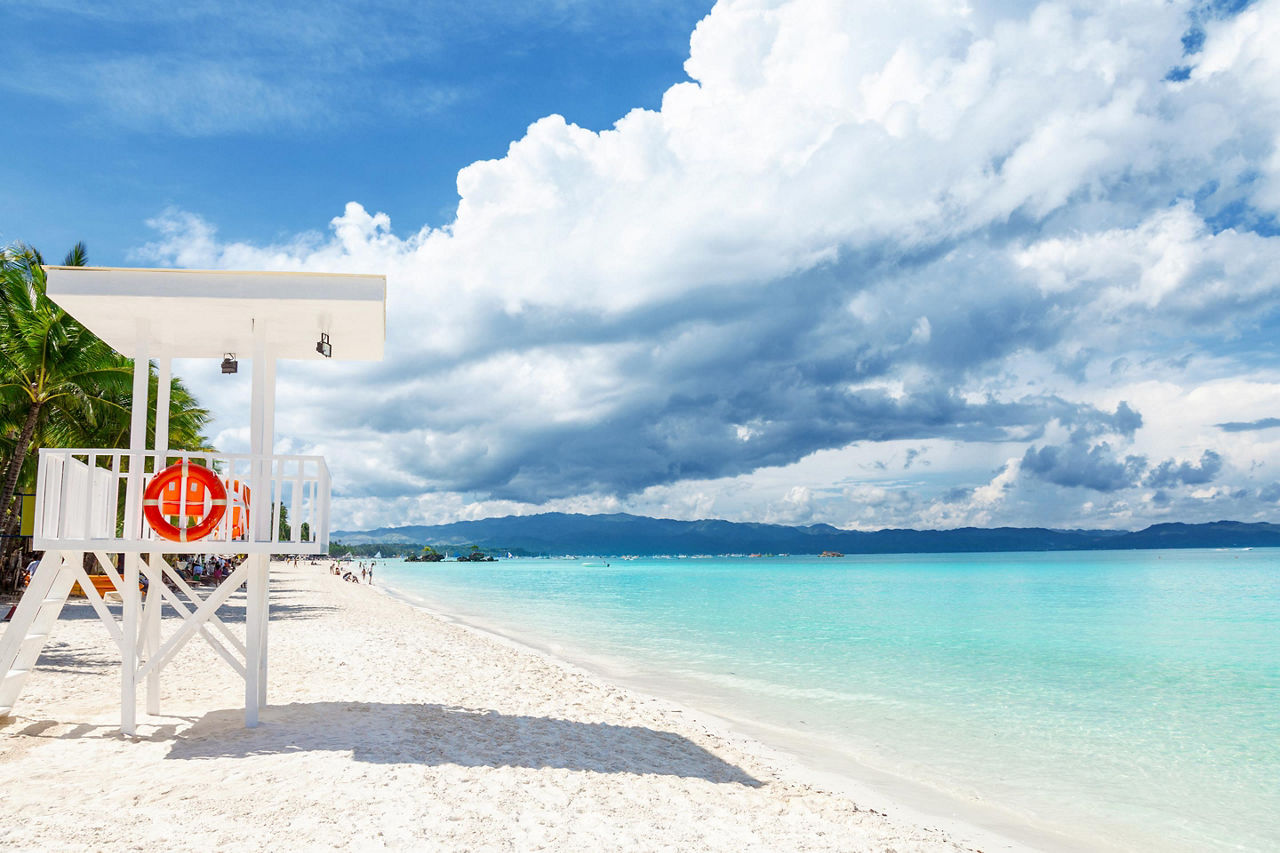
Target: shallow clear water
(1126, 696)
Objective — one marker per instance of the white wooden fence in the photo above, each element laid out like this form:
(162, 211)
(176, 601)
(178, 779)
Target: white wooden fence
(91, 500)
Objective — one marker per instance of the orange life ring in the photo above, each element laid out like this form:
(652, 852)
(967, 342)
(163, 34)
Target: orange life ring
(171, 498)
(158, 501)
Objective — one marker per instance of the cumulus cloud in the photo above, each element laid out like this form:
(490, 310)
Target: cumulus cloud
(959, 224)
(995, 491)
(1079, 464)
(1173, 473)
(1097, 466)
(1172, 272)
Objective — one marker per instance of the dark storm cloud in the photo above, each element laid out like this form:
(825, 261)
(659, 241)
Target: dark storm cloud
(801, 364)
(1087, 422)
(1172, 473)
(763, 387)
(692, 436)
(1079, 464)
(1125, 420)
(797, 363)
(1246, 426)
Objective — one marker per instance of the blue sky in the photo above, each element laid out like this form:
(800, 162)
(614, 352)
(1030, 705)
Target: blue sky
(874, 264)
(266, 117)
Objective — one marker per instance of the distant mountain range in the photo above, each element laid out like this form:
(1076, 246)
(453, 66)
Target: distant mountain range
(621, 534)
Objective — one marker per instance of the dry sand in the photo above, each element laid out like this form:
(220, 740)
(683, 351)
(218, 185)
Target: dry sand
(389, 727)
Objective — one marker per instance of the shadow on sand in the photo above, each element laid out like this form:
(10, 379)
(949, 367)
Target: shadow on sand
(81, 659)
(78, 609)
(384, 733)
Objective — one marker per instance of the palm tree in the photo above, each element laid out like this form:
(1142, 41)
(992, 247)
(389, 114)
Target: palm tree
(48, 361)
(62, 386)
(106, 423)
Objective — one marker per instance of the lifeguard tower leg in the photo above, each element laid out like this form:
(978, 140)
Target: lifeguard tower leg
(253, 641)
(268, 431)
(28, 631)
(129, 649)
(151, 625)
(153, 566)
(266, 623)
(133, 524)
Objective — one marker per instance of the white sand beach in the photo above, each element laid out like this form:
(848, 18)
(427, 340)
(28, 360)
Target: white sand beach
(388, 727)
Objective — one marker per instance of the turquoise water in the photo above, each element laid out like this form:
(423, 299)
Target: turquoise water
(1129, 698)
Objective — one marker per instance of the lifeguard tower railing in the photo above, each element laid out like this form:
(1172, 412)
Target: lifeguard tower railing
(92, 500)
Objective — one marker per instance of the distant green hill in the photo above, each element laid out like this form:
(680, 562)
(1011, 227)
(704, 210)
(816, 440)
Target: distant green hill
(619, 533)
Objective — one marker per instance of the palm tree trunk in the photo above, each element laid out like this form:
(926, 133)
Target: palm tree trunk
(10, 566)
(15, 464)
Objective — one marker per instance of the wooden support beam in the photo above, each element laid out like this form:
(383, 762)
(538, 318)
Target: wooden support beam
(186, 613)
(202, 614)
(196, 599)
(99, 606)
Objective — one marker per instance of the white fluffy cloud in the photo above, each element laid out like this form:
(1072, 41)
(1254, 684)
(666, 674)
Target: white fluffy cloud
(969, 229)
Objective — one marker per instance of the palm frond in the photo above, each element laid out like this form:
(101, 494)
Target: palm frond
(81, 388)
(77, 257)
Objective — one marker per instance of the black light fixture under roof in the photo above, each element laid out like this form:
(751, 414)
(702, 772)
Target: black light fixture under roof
(229, 363)
(323, 347)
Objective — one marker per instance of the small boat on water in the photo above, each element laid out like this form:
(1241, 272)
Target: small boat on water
(595, 564)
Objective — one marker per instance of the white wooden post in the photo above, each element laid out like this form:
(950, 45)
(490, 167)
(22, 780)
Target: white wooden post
(269, 403)
(163, 389)
(155, 603)
(129, 648)
(268, 448)
(261, 440)
(265, 607)
(260, 510)
(253, 640)
(137, 437)
(151, 634)
(133, 520)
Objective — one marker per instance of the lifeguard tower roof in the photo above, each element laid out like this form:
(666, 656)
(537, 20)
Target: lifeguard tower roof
(206, 313)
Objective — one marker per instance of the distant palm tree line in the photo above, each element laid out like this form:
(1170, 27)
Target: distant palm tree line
(62, 386)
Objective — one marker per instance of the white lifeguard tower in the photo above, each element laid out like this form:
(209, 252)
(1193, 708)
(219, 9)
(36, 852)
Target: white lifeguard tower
(90, 501)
